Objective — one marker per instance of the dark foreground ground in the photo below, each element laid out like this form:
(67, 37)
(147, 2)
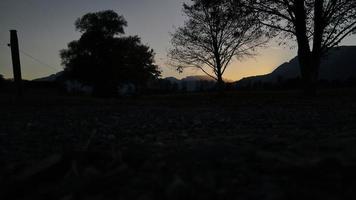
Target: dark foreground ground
(262, 145)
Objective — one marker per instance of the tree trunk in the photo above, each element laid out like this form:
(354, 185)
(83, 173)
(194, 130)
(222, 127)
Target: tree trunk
(220, 82)
(309, 73)
(308, 61)
(315, 58)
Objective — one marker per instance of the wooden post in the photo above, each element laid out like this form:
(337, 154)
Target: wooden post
(14, 44)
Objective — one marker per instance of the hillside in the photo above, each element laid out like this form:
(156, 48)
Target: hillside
(193, 83)
(338, 65)
(50, 78)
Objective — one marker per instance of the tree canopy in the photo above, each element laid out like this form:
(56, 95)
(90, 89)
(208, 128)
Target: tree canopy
(107, 22)
(317, 26)
(212, 35)
(102, 57)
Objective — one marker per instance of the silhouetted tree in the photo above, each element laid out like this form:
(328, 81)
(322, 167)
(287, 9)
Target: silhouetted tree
(103, 58)
(317, 25)
(211, 37)
(2, 80)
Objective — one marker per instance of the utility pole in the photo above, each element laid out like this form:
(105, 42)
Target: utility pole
(14, 44)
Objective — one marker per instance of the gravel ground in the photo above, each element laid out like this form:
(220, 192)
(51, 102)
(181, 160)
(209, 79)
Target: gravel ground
(257, 145)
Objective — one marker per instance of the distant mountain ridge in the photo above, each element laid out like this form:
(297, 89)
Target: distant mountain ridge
(338, 65)
(189, 83)
(50, 78)
(193, 83)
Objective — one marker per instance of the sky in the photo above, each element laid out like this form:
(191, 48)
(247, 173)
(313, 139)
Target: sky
(47, 26)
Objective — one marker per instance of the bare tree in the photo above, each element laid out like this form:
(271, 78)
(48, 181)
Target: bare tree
(212, 35)
(317, 25)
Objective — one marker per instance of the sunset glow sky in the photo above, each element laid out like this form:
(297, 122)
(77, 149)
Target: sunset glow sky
(46, 26)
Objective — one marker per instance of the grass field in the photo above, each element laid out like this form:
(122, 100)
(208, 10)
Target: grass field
(242, 145)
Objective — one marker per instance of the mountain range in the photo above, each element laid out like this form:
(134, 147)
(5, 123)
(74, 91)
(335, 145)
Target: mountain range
(50, 78)
(193, 83)
(338, 65)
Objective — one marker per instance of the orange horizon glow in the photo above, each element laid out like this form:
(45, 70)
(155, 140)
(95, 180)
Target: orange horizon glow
(264, 62)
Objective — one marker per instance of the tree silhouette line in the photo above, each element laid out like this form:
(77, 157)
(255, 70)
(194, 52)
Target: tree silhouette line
(215, 33)
(103, 58)
(217, 30)
(212, 35)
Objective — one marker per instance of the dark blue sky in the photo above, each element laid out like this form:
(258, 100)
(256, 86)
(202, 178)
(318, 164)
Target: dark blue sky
(46, 26)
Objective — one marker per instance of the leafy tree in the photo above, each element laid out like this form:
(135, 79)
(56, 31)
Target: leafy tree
(317, 26)
(108, 23)
(103, 58)
(212, 36)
